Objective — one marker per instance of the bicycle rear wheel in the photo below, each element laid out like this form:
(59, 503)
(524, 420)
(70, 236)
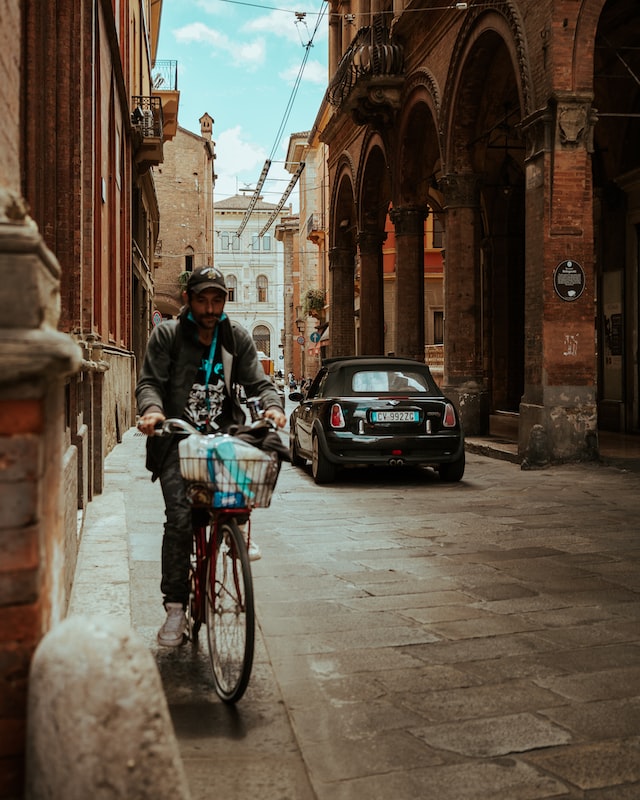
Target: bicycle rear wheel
(230, 616)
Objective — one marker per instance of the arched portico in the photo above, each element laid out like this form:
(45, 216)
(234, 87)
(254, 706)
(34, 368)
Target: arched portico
(418, 167)
(374, 195)
(485, 223)
(342, 265)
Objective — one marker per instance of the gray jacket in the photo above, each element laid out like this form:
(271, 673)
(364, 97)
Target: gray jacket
(170, 366)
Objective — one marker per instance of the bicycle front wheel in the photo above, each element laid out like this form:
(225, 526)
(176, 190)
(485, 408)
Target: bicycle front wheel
(230, 616)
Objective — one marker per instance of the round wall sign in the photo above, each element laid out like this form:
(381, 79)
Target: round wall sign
(568, 280)
(300, 340)
(157, 317)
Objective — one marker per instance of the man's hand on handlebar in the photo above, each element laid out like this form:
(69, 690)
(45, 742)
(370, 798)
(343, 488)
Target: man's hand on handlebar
(276, 415)
(148, 422)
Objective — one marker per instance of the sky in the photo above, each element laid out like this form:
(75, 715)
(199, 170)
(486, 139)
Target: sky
(241, 62)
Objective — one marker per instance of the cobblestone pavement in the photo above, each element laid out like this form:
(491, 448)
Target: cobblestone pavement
(417, 639)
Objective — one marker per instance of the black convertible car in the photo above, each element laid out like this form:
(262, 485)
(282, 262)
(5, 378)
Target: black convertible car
(363, 411)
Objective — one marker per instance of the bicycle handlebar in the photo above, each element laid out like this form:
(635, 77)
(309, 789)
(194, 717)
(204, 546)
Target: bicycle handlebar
(180, 426)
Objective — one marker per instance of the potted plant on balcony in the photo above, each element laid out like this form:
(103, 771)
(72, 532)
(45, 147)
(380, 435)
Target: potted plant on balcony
(313, 303)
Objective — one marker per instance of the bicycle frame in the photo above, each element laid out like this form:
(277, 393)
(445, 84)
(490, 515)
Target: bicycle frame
(204, 551)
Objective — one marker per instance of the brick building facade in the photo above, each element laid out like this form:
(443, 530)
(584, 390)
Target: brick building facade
(249, 254)
(185, 184)
(78, 224)
(514, 123)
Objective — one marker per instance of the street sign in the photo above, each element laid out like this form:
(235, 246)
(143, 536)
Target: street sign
(300, 340)
(157, 318)
(315, 337)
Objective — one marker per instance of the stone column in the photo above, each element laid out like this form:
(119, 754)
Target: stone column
(409, 296)
(463, 377)
(559, 405)
(342, 329)
(37, 557)
(371, 292)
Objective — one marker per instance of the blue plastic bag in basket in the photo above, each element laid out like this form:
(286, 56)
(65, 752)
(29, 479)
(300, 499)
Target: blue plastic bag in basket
(226, 471)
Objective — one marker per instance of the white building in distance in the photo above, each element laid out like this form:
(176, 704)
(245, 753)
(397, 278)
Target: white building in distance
(253, 267)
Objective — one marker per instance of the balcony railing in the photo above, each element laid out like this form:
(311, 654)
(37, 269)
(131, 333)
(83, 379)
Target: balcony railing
(147, 123)
(164, 81)
(315, 228)
(369, 76)
(164, 76)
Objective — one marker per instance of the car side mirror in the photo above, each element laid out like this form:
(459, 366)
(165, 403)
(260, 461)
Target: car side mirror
(297, 397)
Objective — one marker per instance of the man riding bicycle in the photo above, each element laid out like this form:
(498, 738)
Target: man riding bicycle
(192, 369)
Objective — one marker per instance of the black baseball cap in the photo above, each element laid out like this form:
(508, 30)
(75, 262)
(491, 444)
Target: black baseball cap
(206, 278)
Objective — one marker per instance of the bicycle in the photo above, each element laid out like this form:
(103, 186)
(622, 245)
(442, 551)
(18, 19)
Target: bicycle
(226, 478)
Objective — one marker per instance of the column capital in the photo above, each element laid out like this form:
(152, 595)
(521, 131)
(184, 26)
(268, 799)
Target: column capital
(461, 190)
(408, 219)
(370, 241)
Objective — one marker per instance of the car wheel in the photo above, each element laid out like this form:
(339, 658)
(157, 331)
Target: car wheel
(296, 459)
(452, 471)
(323, 471)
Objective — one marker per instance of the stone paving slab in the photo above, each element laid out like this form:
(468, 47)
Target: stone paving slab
(417, 640)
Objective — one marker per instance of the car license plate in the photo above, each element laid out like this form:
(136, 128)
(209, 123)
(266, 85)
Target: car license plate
(395, 416)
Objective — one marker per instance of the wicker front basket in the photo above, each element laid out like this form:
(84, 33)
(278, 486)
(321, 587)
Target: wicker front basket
(233, 473)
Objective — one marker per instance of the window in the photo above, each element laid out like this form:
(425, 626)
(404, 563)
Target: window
(438, 327)
(262, 285)
(437, 233)
(235, 242)
(188, 261)
(232, 286)
(398, 380)
(266, 242)
(255, 242)
(262, 340)
(224, 240)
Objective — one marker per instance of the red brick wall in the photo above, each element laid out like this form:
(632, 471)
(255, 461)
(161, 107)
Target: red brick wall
(21, 612)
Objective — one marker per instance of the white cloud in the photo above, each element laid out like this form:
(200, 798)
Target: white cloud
(280, 24)
(237, 161)
(314, 72)
(239, 164)
(248, 54)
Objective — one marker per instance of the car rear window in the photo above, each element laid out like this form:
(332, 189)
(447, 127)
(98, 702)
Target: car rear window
(392, 381)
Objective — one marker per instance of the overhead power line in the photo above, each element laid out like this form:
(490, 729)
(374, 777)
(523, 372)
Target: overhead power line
(255, 196)
(283, 199)
(285, 119)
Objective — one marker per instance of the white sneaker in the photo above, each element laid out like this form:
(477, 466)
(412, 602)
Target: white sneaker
(172, 633)
(252, 549)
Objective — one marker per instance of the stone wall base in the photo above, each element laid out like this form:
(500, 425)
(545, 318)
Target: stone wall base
(564, 429)
(472, 402)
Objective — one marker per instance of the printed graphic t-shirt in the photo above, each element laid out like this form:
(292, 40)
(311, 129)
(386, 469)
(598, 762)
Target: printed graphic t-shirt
(208, 406)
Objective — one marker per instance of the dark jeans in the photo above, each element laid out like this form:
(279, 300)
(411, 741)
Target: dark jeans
(176, 542)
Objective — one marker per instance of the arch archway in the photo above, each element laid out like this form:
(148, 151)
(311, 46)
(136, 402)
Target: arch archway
(485, 202)
(416, 192)
(616, 182)
(374, 198)
(342, 263)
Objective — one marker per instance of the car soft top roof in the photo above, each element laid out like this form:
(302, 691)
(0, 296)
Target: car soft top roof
(370, 360)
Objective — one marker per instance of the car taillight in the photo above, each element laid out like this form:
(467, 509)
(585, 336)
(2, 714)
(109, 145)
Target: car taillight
(336, 418)
(449, 417)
